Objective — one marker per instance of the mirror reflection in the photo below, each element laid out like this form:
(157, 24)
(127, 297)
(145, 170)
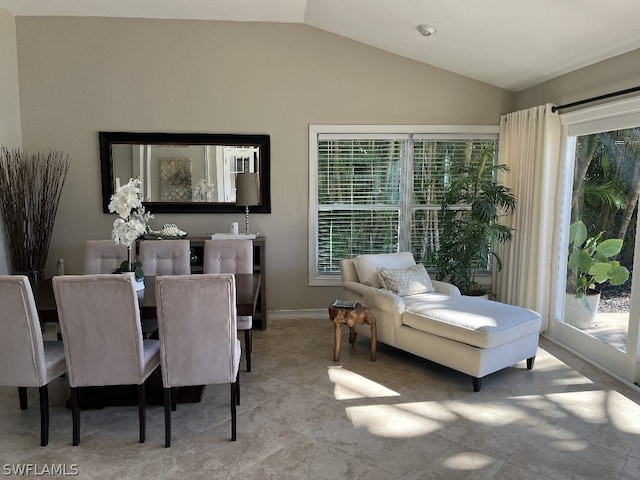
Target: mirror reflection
(185, 172)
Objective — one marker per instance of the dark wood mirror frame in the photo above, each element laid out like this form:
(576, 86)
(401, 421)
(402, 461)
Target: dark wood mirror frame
(108, 139)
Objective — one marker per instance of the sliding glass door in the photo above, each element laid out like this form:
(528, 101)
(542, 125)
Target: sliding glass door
(598, 302)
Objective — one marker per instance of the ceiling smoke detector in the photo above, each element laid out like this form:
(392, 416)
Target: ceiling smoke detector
(426, 30)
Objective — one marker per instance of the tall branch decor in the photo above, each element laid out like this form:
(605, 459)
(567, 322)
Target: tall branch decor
(30, 188)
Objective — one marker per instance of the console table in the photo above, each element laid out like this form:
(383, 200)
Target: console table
(259, 261)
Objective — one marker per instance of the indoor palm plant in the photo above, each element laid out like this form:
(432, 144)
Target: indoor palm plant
(590, 263)
(471, 209)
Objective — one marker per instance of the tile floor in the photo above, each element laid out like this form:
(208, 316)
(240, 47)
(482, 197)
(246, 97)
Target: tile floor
(305, 417)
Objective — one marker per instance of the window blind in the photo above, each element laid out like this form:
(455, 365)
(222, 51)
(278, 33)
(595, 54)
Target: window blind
(380, 193)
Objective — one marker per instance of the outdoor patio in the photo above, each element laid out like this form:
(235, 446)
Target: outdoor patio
(610, 328)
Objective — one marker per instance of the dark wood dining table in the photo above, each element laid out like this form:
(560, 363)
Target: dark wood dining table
(247, 291)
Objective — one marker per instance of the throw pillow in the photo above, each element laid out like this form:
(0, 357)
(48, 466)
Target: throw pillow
(367, 265)
(406, 281)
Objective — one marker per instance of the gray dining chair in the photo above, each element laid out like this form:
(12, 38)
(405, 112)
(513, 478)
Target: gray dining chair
(165, 257)
(232, 256)
(198, 337)
(27, 360)
(103, 256)
(100, 323)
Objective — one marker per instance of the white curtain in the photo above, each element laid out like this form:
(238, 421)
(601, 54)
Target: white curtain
(530, 146)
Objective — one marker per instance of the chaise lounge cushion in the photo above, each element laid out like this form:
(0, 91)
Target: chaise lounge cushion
(481, 323)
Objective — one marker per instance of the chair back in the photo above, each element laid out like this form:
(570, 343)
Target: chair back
(228, 256)
(165, 257)
(197, 329)
(23, 358)
(103, 256)
(100, 323)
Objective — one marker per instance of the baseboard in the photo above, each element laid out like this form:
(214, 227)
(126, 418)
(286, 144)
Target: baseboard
(311, 314)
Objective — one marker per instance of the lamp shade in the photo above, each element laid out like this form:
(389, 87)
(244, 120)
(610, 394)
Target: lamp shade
(247, 189)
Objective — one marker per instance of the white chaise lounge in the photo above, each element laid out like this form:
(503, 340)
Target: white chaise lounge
(432, 320)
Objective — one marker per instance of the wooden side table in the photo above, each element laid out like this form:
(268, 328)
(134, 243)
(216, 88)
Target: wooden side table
(351, 316)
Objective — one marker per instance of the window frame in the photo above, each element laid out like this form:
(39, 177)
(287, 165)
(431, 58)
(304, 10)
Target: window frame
(350, 132)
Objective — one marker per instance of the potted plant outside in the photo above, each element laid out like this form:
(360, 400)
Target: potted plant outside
(590, 263)
(471, 210)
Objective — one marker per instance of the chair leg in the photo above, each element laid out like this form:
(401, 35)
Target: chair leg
(22, 395)
(168, 400)
(234, 389)
(141, 413)
(237, 383)
(75, 416)
(44, 415)
(530, 362)
(477, 383)
(248, 346)
(174, 398)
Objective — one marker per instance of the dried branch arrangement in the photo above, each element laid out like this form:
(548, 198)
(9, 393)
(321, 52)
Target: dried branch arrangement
(30, 189)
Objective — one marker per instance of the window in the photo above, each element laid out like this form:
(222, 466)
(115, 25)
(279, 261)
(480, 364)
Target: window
(377, 189)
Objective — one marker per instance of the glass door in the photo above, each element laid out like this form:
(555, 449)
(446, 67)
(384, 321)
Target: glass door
(597, 304)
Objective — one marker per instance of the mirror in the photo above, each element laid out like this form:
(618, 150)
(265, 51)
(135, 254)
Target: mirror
(185, 172)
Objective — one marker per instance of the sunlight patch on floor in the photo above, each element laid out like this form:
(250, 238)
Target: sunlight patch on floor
(391, 421)
(468, 461)
(599, 407)
(349, 385)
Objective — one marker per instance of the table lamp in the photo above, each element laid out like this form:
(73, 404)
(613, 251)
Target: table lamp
(247, 193)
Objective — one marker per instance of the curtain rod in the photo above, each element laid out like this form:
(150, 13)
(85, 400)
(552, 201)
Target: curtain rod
(594, 99)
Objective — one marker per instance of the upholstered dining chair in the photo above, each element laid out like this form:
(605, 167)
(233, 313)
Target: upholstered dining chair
(100, 322)
(103, 256)
(26, 360)
(165, 257)
(232, 256)
(198, 337)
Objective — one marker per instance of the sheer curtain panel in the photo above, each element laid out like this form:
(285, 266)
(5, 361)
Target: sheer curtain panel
(530, 145)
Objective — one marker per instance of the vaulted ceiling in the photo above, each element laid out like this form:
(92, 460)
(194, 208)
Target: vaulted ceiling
(513, 44)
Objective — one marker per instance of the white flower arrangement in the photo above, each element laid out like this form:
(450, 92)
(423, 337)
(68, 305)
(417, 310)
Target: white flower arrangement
(127, 203)
(202, 190)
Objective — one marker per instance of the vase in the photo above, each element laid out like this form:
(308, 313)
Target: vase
(576, 314)
(139, 284)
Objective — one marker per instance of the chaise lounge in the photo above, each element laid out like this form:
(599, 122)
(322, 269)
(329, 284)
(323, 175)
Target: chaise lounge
(433, 320)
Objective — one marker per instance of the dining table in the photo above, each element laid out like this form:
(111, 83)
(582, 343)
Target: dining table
(247, 292)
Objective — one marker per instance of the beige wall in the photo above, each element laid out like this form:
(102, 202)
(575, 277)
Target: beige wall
(612, 75)
(82, 75)
(10, 135)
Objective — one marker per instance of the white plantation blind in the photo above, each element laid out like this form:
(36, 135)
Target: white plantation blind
(350, 232)
(432, 169)
(358, 198)
(378, 189)
(360, 172)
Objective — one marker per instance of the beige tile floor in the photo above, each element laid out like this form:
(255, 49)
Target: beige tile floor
(305, 417)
